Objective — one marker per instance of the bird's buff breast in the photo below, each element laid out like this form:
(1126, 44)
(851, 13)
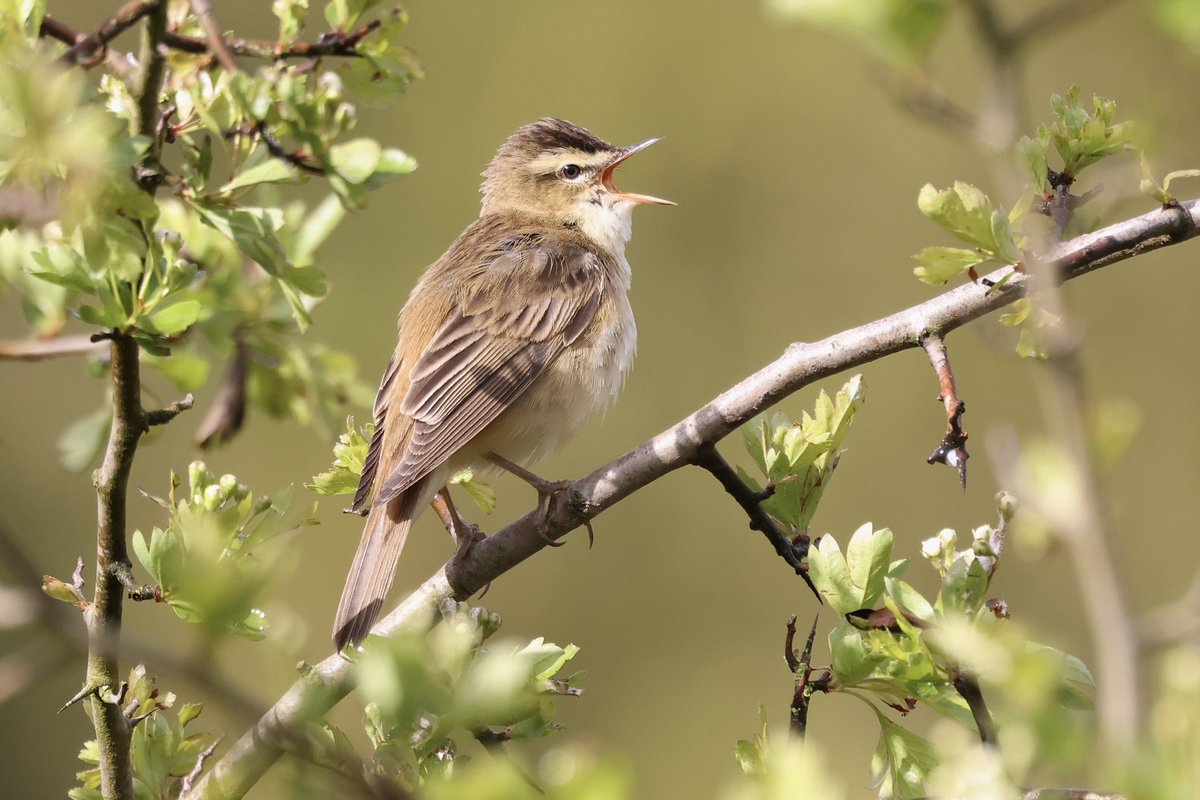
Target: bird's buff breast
(583, 380)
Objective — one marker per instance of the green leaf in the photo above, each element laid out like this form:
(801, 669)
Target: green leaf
(940, 264)
(483, 495)
(902, 761)
(357, 159)
(253, 233)
(267, 170)
(831, 575)
(967, 213)
(392, 164)
(316, 228)
(80, 444)
(909, 600)
(172, 319)
(349, 455)
(868, 557)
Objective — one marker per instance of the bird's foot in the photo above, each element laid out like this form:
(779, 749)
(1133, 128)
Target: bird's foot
(547, 490)
(465, 534)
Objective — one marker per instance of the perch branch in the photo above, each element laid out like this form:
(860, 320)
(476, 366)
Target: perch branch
(800, 365)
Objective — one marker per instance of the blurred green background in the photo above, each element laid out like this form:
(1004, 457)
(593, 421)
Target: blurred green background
(796, 179)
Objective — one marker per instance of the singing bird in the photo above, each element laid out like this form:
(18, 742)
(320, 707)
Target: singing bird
(507, 344)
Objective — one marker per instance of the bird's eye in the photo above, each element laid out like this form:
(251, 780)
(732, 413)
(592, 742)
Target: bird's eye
(570, 171)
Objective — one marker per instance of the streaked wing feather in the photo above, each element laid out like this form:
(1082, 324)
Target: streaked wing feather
(371, 464)
(484, 357)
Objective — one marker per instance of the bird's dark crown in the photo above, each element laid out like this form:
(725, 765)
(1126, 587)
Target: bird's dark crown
(549, 133)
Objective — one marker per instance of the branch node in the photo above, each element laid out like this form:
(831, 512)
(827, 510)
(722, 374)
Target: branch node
(162, 416)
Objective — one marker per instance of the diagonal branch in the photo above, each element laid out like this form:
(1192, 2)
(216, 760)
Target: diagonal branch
(800, 365)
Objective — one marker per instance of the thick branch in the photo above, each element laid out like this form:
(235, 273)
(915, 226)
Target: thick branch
(801, 364)
(103, 618)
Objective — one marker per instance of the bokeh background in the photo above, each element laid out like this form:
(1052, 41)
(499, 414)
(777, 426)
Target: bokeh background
(796, 178)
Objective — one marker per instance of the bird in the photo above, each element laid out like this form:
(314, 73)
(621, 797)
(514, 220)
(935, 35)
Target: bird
(507, 344)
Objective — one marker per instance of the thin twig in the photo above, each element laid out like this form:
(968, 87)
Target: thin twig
(1052, 18)
(801, 365)
(205, 754)
(801, 670)
(125, 18)
(953, 448)
(331, 43)
(214, 35)
(790, 550)
(969, 690)
(38, 349)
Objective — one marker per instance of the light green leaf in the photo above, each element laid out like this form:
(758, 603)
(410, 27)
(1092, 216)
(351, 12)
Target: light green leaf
(268, 170)
(81, 442)
(357, 159)
(172, 319)
(909, 600)
(902, 761)
(940, 264)
(868, 556)
(831, 575)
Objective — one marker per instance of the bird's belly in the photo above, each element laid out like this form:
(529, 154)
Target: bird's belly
(583, 380)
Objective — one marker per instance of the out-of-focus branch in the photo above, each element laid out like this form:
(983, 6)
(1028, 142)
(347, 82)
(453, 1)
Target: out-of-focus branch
(968, 689)
(84, 49)
(332, 43)
(800, 365)
(38, 349)
(1053, 18)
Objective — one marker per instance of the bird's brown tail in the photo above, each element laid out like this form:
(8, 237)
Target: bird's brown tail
(374, 567)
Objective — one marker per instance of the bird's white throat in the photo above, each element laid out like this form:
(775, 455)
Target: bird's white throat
(609, 223)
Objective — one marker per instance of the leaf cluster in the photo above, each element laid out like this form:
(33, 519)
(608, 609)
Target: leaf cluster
(798, 458)
(895, 648)
(162, 750)
(424, 693)
(209, 561)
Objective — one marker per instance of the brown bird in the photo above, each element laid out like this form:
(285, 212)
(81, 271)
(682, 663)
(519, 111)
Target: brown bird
(508, 343)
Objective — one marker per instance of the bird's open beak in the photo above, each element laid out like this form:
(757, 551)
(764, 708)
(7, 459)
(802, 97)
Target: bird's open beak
(606, 177)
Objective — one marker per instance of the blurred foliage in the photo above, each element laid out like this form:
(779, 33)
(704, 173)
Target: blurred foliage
(210, 562)
(163, 751)
(424, 692)
(221, 260)
(893, 649)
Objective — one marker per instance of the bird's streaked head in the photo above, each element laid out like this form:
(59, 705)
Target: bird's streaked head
(557, 169)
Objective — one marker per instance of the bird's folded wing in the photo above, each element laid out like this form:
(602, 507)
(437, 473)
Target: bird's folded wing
(525, 307)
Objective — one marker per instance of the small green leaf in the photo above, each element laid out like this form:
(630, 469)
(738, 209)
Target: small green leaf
(868, 556)
(357, 159)
(483, 495)
(268, 170)
(831, 575)
(81, 442)
(902, 761)
(172, 319)
(909, 600)
(940, 264)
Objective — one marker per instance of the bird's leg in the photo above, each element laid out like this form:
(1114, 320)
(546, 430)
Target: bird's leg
(464, 534)
(545, 489)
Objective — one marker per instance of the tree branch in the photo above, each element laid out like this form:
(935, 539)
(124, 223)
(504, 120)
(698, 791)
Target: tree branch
(800, 365)
(952, 450)
(83, 49)
(331, 43)
(103, 618)
(38, 349)
(790, 550)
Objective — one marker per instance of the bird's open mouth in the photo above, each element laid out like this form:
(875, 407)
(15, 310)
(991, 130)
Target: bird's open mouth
(606, 177)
